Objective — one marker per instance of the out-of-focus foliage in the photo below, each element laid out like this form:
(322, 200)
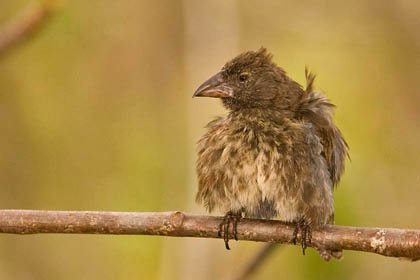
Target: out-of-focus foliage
(96, 114)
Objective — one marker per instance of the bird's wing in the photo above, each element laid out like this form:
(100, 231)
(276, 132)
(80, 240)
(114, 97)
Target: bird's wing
(316, 109)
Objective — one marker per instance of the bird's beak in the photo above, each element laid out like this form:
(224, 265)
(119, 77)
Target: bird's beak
(214, 87)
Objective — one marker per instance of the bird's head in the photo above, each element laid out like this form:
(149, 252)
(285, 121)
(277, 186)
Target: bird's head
(251, 80)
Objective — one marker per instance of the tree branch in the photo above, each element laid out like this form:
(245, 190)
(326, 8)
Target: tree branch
(30, 21)
(402, 243)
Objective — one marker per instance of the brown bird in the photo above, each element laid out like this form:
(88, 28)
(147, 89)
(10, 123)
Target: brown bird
(277, 153)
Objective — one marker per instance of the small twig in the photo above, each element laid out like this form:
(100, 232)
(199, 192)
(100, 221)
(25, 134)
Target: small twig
(257, 260)
(392, 242)
(29, 22)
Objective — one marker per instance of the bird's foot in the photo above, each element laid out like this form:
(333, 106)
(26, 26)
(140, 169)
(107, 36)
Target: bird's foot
(305, 231)
(230, 218)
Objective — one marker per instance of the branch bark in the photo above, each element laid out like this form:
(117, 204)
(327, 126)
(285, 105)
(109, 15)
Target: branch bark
(391, 242)
(29, 22)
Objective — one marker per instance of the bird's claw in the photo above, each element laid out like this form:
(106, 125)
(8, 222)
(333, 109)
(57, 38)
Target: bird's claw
(305, 231)
(229, 218)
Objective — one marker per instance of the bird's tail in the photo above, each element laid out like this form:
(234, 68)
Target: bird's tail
(328, 254)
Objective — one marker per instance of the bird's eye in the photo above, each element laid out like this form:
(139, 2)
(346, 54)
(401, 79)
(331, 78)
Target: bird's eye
(243, 77)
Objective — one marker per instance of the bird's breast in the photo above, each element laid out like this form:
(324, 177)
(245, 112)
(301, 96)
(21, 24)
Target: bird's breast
(243, 167)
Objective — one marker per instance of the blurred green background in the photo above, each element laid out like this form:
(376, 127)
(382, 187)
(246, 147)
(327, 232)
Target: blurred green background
(96, 114)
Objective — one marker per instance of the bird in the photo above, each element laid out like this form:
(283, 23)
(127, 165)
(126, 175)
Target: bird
(277, 153)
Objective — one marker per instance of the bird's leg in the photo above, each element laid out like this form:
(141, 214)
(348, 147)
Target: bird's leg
(229, 218)
(305, 232)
